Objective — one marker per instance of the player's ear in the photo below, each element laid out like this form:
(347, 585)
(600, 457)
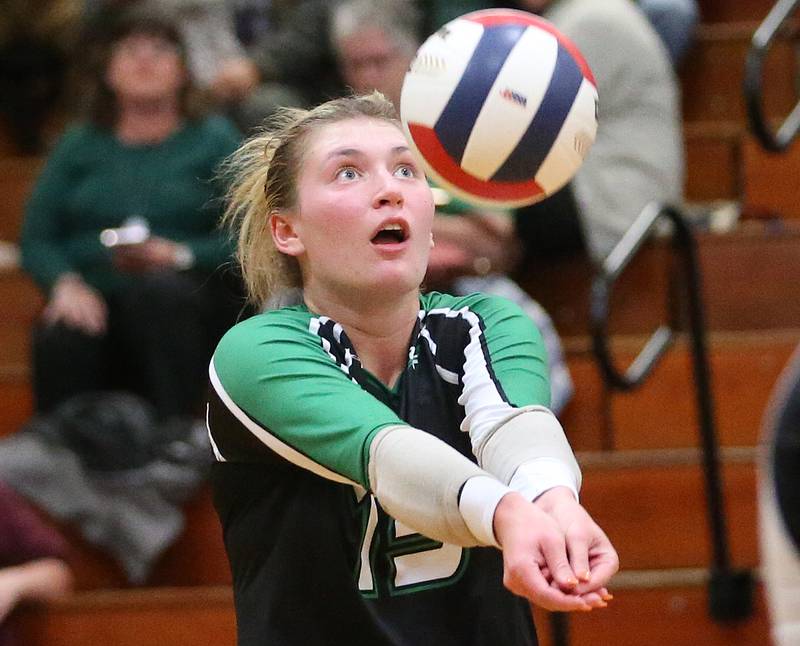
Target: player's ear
(284, 235)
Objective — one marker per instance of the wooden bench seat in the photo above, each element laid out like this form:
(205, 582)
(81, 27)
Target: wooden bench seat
(750, 278)
(712, 75)
(660, 613)
(716, 11)
(662, 413)
(662, 526)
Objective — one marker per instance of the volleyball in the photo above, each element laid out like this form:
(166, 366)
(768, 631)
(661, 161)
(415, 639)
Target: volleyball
(500, 106)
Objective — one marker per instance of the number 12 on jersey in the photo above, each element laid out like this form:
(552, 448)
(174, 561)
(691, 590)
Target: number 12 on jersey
(394, 559)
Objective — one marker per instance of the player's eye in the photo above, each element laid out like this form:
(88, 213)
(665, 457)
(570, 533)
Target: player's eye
(347, 173)
(405, 170)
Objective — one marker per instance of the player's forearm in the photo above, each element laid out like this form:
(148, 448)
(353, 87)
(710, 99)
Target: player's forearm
(530, 453)
(428, 485)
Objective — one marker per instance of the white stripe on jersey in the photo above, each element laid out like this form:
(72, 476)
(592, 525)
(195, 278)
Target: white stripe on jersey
(483, 403)
(217, 454)
(273, 442)
(314, 326)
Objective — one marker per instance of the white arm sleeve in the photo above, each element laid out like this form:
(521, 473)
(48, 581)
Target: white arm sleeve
(429, 486)
(529, 452)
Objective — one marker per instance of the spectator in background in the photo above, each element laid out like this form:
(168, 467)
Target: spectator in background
(142, 316)
(638, 154)
(293, 61)
(32, 560)
(375, 41)
(215, 57)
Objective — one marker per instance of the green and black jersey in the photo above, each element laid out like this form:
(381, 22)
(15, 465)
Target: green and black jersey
(292, 412)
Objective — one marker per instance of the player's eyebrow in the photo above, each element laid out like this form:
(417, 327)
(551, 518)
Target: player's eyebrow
(356, 152)
(345, 152)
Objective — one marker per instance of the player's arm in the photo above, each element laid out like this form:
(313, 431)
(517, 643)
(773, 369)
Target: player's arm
(517, 439)
(293, 398)
(276, 390)
(506, 394)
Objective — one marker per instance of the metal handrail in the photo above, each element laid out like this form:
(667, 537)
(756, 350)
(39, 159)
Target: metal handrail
(730, 592)
(762, 40)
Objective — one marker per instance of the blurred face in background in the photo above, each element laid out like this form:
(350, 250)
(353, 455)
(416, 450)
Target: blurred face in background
(145, 67)
(370, 59)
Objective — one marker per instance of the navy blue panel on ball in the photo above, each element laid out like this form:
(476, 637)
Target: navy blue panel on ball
(458, 117)
(531, 151)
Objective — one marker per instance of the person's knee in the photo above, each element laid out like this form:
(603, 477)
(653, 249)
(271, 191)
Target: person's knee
(58, 338)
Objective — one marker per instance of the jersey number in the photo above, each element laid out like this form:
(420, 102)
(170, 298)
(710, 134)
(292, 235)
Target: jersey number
(408, 560)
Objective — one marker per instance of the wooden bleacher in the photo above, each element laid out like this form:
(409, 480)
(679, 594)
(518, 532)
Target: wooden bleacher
(642, 478)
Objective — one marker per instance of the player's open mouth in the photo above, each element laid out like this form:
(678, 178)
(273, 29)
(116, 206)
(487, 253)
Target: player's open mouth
(393, 233)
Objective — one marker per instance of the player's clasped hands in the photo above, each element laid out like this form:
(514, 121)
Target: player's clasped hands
(554, 554)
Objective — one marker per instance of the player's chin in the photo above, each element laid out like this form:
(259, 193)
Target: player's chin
(398, 277)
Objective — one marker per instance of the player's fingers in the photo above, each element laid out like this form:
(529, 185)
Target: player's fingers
(603, 566)
(528, 582)
(578, 550)
(554, 550)
(594, 600)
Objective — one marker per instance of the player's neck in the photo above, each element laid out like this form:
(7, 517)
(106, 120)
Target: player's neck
(380, 333)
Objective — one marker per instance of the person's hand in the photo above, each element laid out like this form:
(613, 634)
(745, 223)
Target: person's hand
(474, 244)
(76, 305)
(10, 592)
(42, 579)
(591, 555)
(235, 79)
(152, 254)
(536, 564)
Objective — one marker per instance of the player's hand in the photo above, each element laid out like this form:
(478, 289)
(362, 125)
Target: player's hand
(591, 554)
(76, 305)
(535, 558)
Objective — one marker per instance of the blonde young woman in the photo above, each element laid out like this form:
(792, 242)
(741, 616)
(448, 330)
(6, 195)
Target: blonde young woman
(388, 471)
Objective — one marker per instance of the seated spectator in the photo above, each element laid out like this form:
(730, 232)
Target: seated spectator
(293, 60)
(673, 20)
(215, 57)
(32, 559)
(638, 154)
(141, 314)
(375, 41)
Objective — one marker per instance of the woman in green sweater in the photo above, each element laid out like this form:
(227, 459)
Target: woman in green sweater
(142, 315)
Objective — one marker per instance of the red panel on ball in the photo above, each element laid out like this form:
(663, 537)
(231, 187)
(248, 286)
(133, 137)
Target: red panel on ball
(431, 149)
